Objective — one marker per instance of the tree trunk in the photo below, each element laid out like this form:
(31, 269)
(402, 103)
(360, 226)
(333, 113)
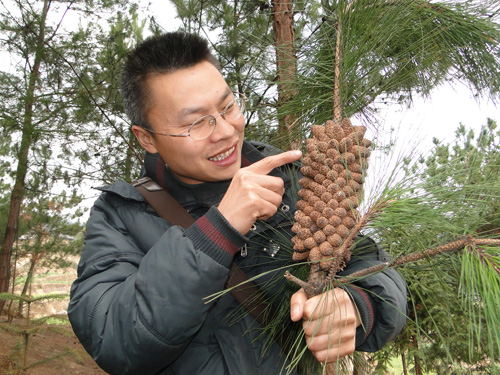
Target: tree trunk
(237, 59)
(17, 193)
(360, 365)
(418, 368)
(29, 278)
(416, 358)
(286, 62)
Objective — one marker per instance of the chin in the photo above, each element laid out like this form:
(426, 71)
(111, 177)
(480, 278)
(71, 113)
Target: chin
(227, 175)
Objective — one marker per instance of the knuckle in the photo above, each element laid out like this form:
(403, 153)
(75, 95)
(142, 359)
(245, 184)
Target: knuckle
(346, 350)
(239, 173)
(308, 328)
(351, 349)
(317, 347)
(320, 356)
(308, 341)
(305, 325)
(244, 177)
(340, 293)
(308, 309)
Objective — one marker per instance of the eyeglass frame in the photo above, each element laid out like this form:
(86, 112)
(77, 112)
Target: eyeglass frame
(237, 96)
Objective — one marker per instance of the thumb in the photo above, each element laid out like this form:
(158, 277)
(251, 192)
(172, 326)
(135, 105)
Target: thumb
(297, 302)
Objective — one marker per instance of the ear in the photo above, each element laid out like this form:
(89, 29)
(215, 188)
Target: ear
(145, 138)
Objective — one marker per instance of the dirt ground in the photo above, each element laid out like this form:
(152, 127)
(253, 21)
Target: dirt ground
(55, 345)
(53, 349)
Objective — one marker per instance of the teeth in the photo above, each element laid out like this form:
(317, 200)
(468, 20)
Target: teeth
(223, 155)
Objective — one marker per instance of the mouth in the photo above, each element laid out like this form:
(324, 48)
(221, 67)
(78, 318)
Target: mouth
(223, 155)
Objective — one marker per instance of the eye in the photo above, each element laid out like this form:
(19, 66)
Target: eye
(183, 129)
(231, 106)
(202, 128)
(205, 120)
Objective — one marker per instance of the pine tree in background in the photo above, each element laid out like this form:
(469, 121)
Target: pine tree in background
(111, 151)
(451, 193)
(394, 51)
(240, 33)
(43, 121)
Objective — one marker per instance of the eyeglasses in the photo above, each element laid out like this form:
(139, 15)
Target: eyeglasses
(204, 126)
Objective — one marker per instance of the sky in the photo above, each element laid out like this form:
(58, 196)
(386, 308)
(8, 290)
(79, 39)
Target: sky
(440, 115)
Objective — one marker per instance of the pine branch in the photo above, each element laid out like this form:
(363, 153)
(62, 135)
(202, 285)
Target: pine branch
(451, 247)
(337, 106)
(448, 248)
(313, 290)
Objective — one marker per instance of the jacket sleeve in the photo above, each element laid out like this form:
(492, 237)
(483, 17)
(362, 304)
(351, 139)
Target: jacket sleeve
(139, 296)
(381, 298)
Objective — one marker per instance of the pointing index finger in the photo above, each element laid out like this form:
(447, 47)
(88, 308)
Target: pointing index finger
(267, 164)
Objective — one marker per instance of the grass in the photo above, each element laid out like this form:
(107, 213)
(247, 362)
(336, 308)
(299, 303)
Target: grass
(396, 368)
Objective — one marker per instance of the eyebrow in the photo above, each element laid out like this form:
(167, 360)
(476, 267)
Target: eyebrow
(190, 110)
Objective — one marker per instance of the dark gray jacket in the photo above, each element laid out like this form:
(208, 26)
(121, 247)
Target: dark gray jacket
(139, 304)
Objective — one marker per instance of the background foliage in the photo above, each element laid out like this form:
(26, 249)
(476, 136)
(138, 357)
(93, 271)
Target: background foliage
(62, 127)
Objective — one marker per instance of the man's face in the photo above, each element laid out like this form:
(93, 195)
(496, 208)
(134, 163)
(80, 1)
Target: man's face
(180, 98)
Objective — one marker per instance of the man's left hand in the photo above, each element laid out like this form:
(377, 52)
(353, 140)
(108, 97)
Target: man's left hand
(329, 322)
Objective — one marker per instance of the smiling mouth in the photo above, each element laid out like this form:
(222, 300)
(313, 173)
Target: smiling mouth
(223, 155)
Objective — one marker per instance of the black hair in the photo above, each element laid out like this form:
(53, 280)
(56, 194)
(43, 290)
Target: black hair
(159, 54)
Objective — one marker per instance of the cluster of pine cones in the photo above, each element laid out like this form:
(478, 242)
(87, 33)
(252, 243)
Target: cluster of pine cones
(335, 164)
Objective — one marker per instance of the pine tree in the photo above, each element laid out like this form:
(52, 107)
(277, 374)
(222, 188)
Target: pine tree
(367, 50)
(40, 117)
(393, 51)
(286, 64)
(111, 151)
(454, 194)
(356, 53)
(240, 32)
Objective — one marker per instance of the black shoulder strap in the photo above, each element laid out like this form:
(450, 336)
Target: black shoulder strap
(248, 294)
(164, 204)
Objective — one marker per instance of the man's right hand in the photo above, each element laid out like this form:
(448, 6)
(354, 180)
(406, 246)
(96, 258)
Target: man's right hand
(253, 194)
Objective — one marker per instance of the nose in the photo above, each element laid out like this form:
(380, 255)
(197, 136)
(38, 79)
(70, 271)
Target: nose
(223, 128)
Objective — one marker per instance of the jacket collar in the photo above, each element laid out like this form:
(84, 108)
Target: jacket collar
(155, 168)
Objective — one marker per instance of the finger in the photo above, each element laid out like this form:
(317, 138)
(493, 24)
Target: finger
(268, 202)
(323, 325)
(332, 346)
(252, 181)
(267, 164)
(332, 355)
(326, 303)
(297, 302)
(337, 326)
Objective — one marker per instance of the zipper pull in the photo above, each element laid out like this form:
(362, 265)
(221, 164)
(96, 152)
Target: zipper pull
(244, 251)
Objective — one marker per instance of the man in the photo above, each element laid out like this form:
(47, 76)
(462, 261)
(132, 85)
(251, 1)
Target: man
(139, 304)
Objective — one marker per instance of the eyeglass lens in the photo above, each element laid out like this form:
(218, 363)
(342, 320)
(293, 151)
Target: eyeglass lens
(204, 127)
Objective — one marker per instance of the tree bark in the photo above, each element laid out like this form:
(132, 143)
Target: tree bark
(416, 358)
(35, 259)
(286, 62)
(27, 139)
